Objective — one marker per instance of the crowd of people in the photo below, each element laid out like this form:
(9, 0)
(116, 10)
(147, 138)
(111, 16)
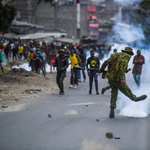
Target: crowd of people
(62, 55)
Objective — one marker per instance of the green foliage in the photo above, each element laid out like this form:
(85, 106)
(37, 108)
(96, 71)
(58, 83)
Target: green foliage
(7, 15)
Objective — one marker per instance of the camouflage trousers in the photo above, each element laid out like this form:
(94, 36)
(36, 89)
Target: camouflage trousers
(115, 86)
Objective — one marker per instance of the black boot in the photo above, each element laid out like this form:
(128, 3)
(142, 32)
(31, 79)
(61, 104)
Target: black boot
(90, 91)
(112, 113)
(102, 91)
(142, 97)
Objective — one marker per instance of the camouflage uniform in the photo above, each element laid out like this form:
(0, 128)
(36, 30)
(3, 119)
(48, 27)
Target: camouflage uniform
(116, 72)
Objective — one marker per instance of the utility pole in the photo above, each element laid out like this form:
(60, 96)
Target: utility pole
(55, 20)
(78, 18)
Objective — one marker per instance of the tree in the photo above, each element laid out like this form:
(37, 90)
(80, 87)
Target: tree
(7, 15)
(38, 1)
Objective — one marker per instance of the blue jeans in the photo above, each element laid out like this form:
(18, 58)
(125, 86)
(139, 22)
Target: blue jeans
(136, 77)
(83, 72)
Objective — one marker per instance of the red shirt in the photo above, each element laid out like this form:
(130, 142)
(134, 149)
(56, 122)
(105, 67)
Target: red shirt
(52, 56)
(138, 61)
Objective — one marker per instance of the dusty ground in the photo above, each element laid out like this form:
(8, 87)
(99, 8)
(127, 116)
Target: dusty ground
(13, 85)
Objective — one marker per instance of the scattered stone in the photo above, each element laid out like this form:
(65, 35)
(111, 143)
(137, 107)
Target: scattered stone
(117, 138)
(49, 115)
(109, 135)
(27, 108)
(97, 119)
(83, 107)
(1, 99)
(86, 105)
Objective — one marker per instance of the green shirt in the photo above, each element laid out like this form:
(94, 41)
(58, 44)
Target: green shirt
(1, 57)
(117, 64)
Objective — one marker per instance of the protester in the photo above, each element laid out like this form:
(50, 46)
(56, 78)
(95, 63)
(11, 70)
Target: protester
(30, 60)
(93, 71)
(40, 55)
(82, 56)
(20, 49)
(14, 51)
(6, 51)
(38, 63)
(61, 62)
(75, 60)
(138, 61)
(1, 60)
(52, 57)
(116, 75)
(25, 51)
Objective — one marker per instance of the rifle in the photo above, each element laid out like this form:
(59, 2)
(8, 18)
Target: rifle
(78, 68)
(92, 69)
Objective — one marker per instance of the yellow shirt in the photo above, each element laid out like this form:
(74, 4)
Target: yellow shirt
(20, 48)
(30, 57)
(74, 60)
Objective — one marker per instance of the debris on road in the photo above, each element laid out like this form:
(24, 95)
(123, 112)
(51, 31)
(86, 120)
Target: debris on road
(97, 119)
(49, 115)
(117, 138)
(109, 135)
(86, 105)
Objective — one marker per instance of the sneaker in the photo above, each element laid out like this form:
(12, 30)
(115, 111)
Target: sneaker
(97, 93)
(79, 80)
(71, 86)
(142, 97)
(102, 91)
(84, 80)
(75, 86)
(90, 92)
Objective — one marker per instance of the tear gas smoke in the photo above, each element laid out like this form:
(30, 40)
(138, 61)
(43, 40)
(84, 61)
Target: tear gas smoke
(126, 2)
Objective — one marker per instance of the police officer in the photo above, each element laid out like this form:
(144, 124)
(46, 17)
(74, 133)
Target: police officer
(116, 75)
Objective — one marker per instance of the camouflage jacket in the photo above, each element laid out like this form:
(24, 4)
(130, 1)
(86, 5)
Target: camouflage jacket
(116, 66)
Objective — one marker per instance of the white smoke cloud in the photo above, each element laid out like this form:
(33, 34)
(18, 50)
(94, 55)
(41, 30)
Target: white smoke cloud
(127, 1)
